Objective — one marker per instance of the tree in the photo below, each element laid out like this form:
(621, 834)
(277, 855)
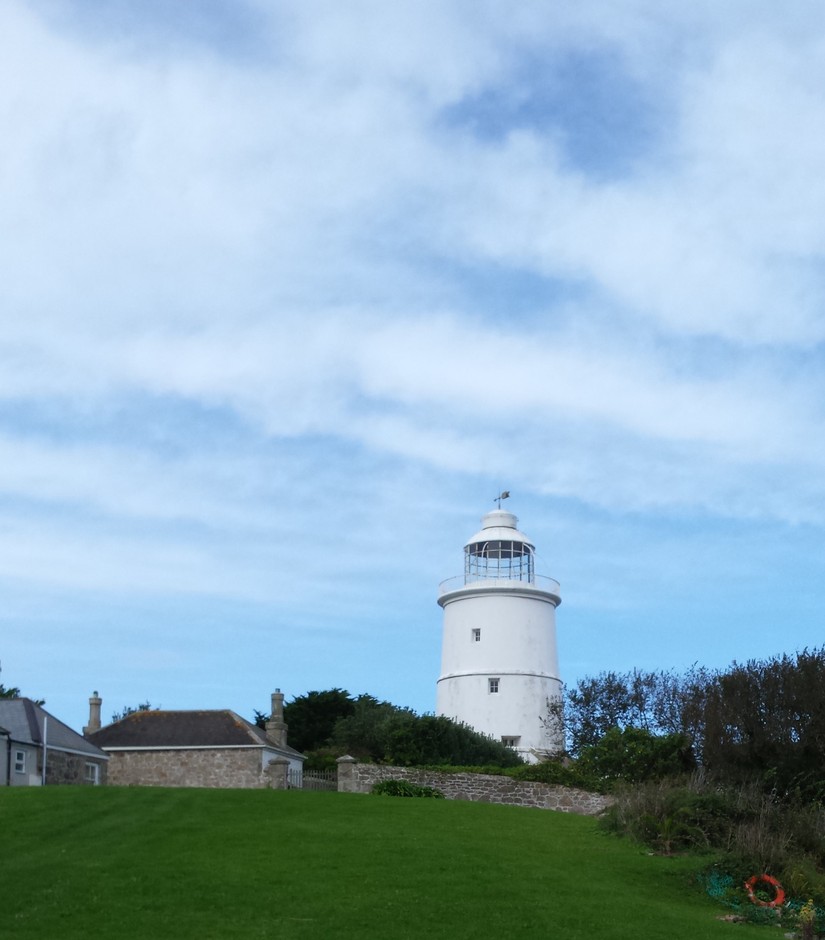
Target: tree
(132, 709)
(765, 719)
(762, 721)
(259, 719)
(311, 718)
(594, 706)
(636, 755)
(364, 733)
(658, 702)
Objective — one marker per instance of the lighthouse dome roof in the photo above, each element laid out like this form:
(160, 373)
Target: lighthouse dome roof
(499, 525)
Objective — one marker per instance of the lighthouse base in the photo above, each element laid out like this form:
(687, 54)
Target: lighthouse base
(511, 708)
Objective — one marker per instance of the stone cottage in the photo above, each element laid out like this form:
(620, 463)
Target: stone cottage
(28, 733)
(207, 748)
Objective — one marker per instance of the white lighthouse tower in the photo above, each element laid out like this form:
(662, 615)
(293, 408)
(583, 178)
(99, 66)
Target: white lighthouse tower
(499, 663)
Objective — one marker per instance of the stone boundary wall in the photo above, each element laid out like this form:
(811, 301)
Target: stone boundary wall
(483, 788)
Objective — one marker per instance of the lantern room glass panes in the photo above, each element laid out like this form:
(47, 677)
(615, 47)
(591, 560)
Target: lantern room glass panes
(499, 559)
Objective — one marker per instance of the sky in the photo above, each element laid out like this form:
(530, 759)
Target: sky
(290, 291)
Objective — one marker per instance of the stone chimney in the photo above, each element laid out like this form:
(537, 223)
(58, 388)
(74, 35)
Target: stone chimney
(276, 728)
(94, 714)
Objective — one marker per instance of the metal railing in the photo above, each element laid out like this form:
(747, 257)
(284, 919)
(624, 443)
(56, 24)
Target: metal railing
(539, 583)
(313, 779)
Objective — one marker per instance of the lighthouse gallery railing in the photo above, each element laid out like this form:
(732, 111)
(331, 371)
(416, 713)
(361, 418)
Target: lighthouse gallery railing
(539, 582)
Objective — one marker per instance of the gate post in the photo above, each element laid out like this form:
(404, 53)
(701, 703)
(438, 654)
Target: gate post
(276, 773)
(346, 774)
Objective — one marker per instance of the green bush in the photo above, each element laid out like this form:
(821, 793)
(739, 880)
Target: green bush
(801, 879)
(667, 817)
(421, 740)
(405, 788)
(636, 755)
(556, 773)
(322, 759)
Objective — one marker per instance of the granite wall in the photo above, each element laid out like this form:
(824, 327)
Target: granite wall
(483, 788)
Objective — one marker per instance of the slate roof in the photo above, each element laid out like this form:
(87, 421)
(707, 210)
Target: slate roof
(213, 728)
(23, 719)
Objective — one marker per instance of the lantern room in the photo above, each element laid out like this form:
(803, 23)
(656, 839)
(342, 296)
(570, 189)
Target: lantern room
(499, 551)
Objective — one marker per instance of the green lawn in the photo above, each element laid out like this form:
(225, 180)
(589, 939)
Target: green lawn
(155, 864)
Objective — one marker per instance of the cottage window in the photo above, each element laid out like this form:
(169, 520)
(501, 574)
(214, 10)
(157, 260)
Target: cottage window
(476, 635)
(20, 762)
(92, 773)
(510, 742)
(492, 685)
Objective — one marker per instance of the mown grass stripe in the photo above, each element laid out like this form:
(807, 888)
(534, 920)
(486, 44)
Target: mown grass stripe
(153, 863)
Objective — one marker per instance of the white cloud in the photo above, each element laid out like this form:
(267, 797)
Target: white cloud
(288, 241)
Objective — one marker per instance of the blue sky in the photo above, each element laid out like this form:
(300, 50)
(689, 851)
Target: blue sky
(289, 291)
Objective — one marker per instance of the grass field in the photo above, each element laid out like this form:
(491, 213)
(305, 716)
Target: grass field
(156, 864)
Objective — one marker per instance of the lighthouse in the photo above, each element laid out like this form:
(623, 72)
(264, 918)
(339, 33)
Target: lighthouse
(499, 662)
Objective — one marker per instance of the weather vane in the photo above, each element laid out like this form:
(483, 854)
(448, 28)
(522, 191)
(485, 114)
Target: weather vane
(504, 494)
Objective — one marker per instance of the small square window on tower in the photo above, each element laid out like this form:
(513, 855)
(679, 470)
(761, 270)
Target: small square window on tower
(492, 685)
(476, 635)
(510, 741)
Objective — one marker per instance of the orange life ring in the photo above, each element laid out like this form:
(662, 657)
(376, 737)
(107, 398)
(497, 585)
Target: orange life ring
(754, 880)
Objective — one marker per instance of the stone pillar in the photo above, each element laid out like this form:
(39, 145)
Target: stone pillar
(277, 773)
(346, 774)
(276, 728)
(94, 714)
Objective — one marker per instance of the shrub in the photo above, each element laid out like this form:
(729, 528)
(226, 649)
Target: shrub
(665, 817)
(801, 879)
(414, 741)
(556, 773)
(405, 788)
(322, 759)
(635, 754)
